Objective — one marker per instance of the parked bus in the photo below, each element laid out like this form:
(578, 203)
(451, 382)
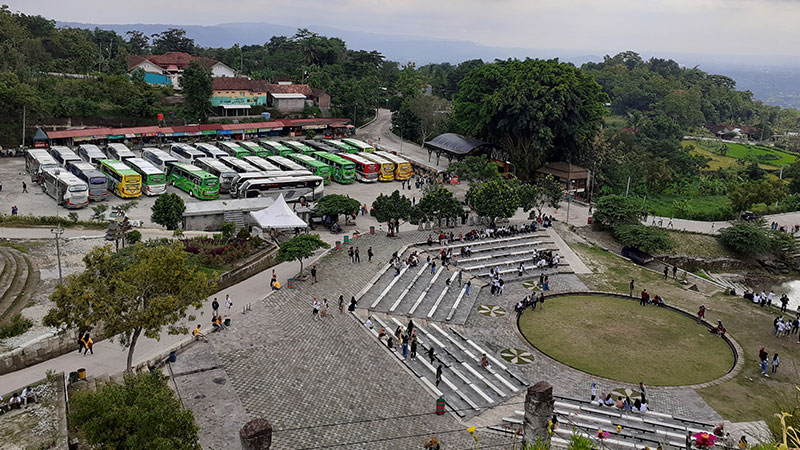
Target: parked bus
(219, 170)
(344, 171)
(97, 181)
(345, 148)
(299, 147)
(275, 148)
(234, 149)
(122, 180)
(36, 160)
(318, 168)
(321, 146)
(211, 150)
(402, 167)
(64, 155)
(260, 163)
(120, 152)
(387, 166)
(185, 152)
(159, 158)
(293, 188)
(68, 190)
(360, 145)
(154, 180)
(366, 170)
(91, 154)
(285, 163)
(240, 178)
(255, 149)
(194, 180)
(238, 165)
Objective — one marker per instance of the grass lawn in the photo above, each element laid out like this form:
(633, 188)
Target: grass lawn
(695, 244)
(618, 339)
(770, 159)
(710, 207)
(746, 397)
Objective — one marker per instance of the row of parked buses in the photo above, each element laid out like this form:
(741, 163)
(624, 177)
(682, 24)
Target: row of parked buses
(245, 169)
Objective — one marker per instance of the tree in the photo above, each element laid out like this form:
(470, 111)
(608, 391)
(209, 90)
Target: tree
(172, 40)
(198, 87)
(746, 238)
(476, 169)
(139, 290)
(300, 247)
(335, 204)
(138, 42)
(142, 412)
(536, 110)
(168, 211)
(99, 213)
(647, 239)
(433, 114)
(549, 192)
(228, 230)
(615, 210)
(133, 236)
(439, 204)
(495, 199)
(392, 209)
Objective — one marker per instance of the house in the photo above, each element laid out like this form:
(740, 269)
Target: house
(574, 179)
(287, 97)
(322, 99)
(168, 68)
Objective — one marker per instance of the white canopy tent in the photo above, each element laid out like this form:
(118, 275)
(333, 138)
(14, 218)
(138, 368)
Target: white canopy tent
(277, 216)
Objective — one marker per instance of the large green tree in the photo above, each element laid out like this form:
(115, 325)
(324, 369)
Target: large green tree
(300, 247)
(616, 210)
(336, 204)
(172, 40)
(392, 208)
(438, 204)
(138, 291)
(197, 89)
(495, 199)
(476, 169)
(535, 110)
(168, 210)
(141, 413)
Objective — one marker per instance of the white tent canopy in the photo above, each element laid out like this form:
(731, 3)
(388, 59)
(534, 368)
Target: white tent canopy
(278, 215)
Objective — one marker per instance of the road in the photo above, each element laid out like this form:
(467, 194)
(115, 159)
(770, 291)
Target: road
(380, 131)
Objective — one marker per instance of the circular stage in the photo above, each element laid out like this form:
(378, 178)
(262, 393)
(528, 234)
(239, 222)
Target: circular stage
(616, 338)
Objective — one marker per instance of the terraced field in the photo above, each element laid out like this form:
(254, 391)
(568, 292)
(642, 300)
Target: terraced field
(766, 157)
(18, 279)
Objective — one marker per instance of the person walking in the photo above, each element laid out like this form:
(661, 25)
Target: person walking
(469, 283)
(313, 274)
(324, 308)
(228, 304)
(431, 354)
(762, 356)
(460, 272)
(405, 348)
(784, 303)
(353, 304)
(315, 309)
(89, 345)
(775, 363)
(438, 375)
(633, 285)
(594, 390)
(214, 307)
(701, 313)
(82, 342)
(341, 304)
(414, 349)
(351, 253)
(666, 272)
(24, 188)
(643, 391)
(370, 254)
(357, 256)
(674, 272)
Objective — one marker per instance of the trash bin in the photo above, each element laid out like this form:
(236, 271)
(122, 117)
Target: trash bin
(173, 357)
(346, 239)
(227, 322)
(81, 374)
(338, 245)
(589, 220)
(290, 283)
(371, 230)
(440, 403)
(73, 377)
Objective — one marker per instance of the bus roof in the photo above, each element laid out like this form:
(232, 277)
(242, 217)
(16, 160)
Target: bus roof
(209, 147)
(392, 157)
(61, 148)
(117, 166)
(260, 162)
(282, 161)
(144, 165)
(249, 145)
(358, 158)
(121, 148)
(42, 156)
(341, 145)
(216, 164)
(85, 167)
(68, 177)
(374, 156)
(231, 145)
(247, 167)
(274, 144)
(361, 145)
(308, 159)
(194, 170)
(91, 148)
(298, 145)
(334, 158)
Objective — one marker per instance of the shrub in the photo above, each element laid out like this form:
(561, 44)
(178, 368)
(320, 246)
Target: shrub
(228, 229)
(746, 238)
(243, 233)
(17, 326)
(132, 237)
(73, 216)
(648, 239)
(614, 210)
(29, 220)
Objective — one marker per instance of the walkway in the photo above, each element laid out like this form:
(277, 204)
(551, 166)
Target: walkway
(380, 131)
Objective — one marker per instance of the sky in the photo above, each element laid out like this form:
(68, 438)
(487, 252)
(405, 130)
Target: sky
(720, 27)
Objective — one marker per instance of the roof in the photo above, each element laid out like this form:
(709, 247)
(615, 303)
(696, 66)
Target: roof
(40, 135)
(234, 107)
(288, 96)
(565, 171)
(318, 92)
(289, 89)
(220, 206)
(455, 143)
(172, 60)
(277, 215)
(239, 84)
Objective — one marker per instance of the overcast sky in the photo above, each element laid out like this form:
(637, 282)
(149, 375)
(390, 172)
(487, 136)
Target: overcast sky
(757, 27)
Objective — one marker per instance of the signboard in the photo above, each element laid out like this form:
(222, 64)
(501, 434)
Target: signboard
(314, 127)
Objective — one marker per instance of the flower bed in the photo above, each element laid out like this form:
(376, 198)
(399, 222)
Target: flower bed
(217, 252)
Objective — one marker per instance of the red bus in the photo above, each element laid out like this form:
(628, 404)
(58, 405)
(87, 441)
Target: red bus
(366, 171)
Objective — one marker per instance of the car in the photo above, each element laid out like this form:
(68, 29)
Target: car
(636, 255)
(749, 216)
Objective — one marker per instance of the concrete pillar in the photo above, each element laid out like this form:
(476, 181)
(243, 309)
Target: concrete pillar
(538, 412)
(256, 435)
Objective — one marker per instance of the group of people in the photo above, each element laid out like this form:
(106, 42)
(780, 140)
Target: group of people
(784, 327)
(763, 299)
(763, 356)
(624, 403)
(645, 299)
(486, 233)
(406, 339)
(319, 309)
(530, 301)
(17, 400)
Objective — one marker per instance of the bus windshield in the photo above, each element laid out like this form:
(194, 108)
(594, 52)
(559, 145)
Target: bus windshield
(210, 181)
(158, 178)
(77, 188)
(97, 181)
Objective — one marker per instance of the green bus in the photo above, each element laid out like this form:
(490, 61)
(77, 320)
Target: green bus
(192, 179)
(317, 168)
(122, 180)
(154, 181)
(300, 147)
(344, 171)
(255, 149)
(360, 145)
(233, 149)
(275, 148)
(346, 148)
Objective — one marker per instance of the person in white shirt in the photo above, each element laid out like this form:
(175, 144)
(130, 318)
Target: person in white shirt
(770, 297)
(369, 322)
(28, 394)
(228, 305)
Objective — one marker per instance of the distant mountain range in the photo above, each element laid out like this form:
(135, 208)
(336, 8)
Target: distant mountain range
(772, 80)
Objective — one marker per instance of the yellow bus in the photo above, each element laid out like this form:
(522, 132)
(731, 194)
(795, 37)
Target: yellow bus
(387, 167)
(402, 169)
(122, 180)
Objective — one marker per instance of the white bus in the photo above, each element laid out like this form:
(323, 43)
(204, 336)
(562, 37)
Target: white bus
(285, 163)
(154, 180)
(68, 190)
(260, 163)
(237, 164)
(242, 177)
(211, 150)
(293, 188)
(120, 152)
(64, 155)
(37, 160)
(219, 170)
(185, 152)
(97, 181)
(91, 154)
(159, 158)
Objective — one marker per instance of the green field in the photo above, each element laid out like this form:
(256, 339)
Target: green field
(766, 157)
(618, 339)
(708, 208)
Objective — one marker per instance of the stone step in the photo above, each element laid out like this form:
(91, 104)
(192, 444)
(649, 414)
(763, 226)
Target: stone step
(509, 250)
(6, 277)
(13, 299)
(481, 242)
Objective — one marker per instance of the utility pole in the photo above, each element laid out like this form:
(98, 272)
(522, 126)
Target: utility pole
(569, 190)
(627, 189)
(23, 126)
(57, 232)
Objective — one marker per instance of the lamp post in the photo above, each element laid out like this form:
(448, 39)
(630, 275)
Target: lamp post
(57, 232)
